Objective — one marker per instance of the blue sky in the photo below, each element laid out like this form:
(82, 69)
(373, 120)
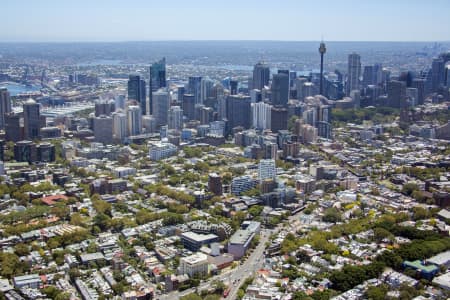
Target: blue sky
(297, 20)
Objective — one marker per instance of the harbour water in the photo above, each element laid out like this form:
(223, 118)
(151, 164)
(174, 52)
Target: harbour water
(17, 88)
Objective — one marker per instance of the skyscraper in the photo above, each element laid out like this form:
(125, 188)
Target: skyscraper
(134, 118)
(437, 74)
(396, 92)
(206, 89)
(368, 76)
(278, 118)
(261, 76)
(353, 72)
(136, 92)
(234, 87)
(105, 108)
(188, 106)
(419, 84)
(261, 114)
(194, 88)
(176, 118)
(5, 105)
(158, 75)
(31, 119)
(322, 50)
(238, 111)
(119, 126)
(14, 132)
(119, 102)
(161, 104)
(280, 89)
(103, 129)
(157, 78)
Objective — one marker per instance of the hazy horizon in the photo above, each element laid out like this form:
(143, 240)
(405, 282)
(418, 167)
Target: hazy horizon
(220, 40)
(232, 20)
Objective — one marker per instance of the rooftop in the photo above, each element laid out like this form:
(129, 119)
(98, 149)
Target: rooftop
(198, 237)
(440, 259)
(241, 236)
(417, 264)
(195, 258)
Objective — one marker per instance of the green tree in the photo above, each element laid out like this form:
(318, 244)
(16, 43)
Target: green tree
(101, 206)
(409, 188)
(10, 265)
(21, 249)
(332, 215)
(255, 210)
(376, 292)
(77, 220)
(381, 233)
(420, 213)
(191, 296)
(103, 221)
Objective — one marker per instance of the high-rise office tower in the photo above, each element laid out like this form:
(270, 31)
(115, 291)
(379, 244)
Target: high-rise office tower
(158, 74)
(222, 107)
(149, 124)
(299, 85)
(234, 87)
(437, 74)
(261, 115)
(322, 50)
(31, 119)
(119, 102)
(419, 84)
(105, 108)
(278, 118)
(161, 104)
(353, 72)
(238, 111)
(181, 90)
(396, 94)
(5, 105)
(13, 130)
(175, 118)
(206, 89)
(134, 119)
(188, 106)
(292, 77)
(447, 70)
(218, 90)
(103, 129)
(136, 92)
(377, 74)
(25, 151)
(46, 152)
(120, 131)
(157, 78)
(2, 150)
(194, 88)
(368, 76)
(261, 76)
(412, 94)
(280, 89)
(205, 115)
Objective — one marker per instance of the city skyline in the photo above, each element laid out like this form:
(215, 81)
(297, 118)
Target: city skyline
(136, 20)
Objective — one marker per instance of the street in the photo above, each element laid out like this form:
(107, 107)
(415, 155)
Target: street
(235, 277)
